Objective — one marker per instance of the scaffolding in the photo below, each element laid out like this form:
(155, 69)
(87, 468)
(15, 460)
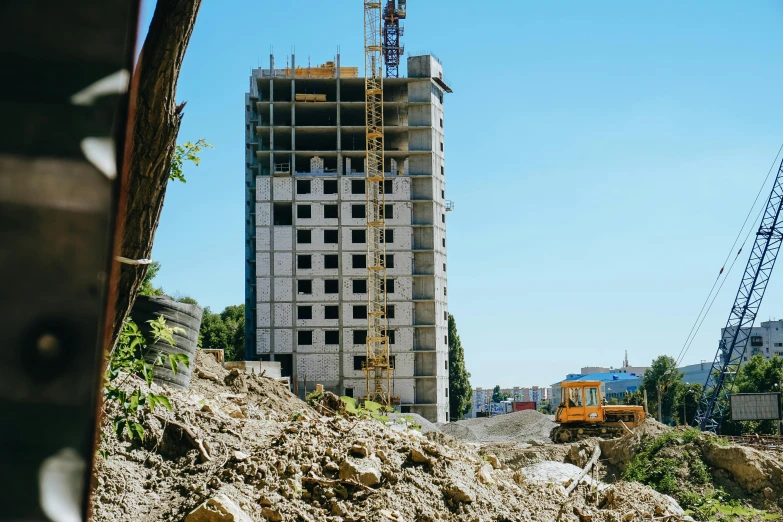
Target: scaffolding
(377, 368)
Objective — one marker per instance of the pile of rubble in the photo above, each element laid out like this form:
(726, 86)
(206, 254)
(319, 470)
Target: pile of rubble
(521, 426)
(241, 447)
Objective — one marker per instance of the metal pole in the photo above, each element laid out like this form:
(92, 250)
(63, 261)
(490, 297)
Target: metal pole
(660, 413)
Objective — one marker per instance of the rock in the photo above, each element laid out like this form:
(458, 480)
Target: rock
(265, 501)
(364, 471)
(233, 411)
(628, 516)
(752, 469)
(338, 509)
(271, 514)
(583, 515)
(493, 460)
(239, 456)
(485, 474)
(459, 492)
(419, 458)
(236, 381)
(219, 508)
(359, 450)
(382, 455)
(331, 467)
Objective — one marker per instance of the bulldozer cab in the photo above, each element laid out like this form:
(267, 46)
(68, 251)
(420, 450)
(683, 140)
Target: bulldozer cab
(580, 401)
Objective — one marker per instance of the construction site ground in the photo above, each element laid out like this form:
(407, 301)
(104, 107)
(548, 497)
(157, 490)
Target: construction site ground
(240, 447)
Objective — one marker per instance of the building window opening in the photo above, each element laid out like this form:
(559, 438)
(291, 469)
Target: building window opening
(360, 312)
(359, 361)
(331, 286)
(360, 337)
(358, 212)
(359, 286)
(357, 186)
(304, 262)
(303, 186)
(304, 338)
(349, 392)
(388, 211)
(330, 212)
(330, 186)
(387, 187)
(390, 311)
(304, 286)
(330, 236)
(283, 214)
(359, 236)
(303, 212)
(304, 312)
(331, 337)
(331, 312)
(330, 261)
(304, 236)
(359, 261)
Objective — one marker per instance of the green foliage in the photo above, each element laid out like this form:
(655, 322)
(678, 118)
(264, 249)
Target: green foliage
(758, 375)
(224, 331)
(368, 409)
(188, 151)
(147, 287)
(665, 369)
(460, 391)
(126, 362)
(688, 396)
(497, 395)
(187, 300)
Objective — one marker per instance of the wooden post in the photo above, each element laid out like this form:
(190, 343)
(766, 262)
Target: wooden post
(319, 388)
(646, 411)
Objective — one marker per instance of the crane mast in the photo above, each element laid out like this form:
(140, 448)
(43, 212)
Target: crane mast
(393, 13)
(734, 341)
(377, 369)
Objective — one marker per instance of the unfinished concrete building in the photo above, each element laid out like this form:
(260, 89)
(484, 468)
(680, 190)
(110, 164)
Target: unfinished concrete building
(306, 300)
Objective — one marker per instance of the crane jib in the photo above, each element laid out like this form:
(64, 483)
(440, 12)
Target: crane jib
(731, 351)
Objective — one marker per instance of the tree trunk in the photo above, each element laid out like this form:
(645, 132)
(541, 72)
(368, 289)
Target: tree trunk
(155, 127)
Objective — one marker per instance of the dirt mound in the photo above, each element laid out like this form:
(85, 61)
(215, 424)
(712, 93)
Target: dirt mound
(520, 426)
(241, 447)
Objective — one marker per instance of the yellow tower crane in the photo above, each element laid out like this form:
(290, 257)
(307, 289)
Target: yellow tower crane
(377, 368)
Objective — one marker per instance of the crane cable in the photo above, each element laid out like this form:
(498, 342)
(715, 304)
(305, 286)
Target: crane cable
(702, 314)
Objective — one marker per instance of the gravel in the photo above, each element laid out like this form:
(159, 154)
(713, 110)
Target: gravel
(520, 426)
(550, 472)
(426, 426)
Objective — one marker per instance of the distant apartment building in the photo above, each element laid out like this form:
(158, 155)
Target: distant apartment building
(766, 340)
(482, 398)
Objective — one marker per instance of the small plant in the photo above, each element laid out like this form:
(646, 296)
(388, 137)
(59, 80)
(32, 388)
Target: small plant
(367, 409)
(127, 362)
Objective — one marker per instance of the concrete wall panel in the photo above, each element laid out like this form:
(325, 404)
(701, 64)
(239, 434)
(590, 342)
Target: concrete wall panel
(263, 340)
(263, 214)
(263, 188)
(317, 367)
(263, 289)
(283, 289)
(263, 238)
(283, 238)
(282, 189)
(284, 342)
(283, 263)
(263, 315)
(262, 264)
(283, 314)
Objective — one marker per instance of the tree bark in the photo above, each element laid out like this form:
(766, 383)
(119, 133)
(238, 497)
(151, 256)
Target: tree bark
(155, 128)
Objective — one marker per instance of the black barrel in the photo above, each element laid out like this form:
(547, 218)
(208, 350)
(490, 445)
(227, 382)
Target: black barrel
(187, 317)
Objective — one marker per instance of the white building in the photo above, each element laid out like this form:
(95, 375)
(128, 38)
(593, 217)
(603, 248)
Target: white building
(766, 340)
(306, 275)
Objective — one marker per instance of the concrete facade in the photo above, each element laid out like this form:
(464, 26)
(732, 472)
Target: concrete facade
(305, 223)
(766, 340)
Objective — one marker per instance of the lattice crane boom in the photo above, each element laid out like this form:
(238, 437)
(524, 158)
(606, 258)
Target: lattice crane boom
(377, 368)
(393, 13)
(734, 341)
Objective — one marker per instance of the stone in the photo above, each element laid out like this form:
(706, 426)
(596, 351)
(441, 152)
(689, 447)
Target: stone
(265, 501)
(459, 492)
(239, 456)
(338, 509)
(219, 508)
(359, 450)
(485, 474)
(271, 514)
(382, 455)
(419, 458)
(331, 467)
(493, 460)
(364, 471)
(233, 411)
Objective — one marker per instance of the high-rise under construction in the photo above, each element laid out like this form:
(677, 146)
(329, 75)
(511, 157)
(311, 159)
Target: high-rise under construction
(306, 229)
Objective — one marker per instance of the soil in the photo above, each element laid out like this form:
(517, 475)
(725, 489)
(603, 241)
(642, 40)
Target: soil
(521, 426)
(241, 447)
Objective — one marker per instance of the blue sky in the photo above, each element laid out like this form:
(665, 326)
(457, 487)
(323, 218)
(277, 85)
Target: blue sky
(601, 155)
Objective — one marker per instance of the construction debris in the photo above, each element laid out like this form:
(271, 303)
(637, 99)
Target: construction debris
(521, 426)
(285, 461)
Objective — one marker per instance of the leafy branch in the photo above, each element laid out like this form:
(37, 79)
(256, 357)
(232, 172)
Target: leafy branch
(128, 361)
(188, 151)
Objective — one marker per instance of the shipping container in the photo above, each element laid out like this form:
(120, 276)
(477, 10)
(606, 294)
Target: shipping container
(524, 405)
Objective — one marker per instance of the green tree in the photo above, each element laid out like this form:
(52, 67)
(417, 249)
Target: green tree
(460, 391)
(497, 395)
(213, 333)
(688, 397)
(665, 369)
